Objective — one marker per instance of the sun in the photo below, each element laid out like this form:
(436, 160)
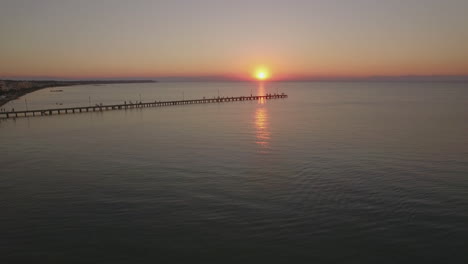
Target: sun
(262, 74)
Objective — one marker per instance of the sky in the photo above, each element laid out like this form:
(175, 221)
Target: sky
(293, 39)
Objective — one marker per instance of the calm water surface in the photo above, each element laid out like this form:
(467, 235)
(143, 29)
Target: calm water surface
(336, 173)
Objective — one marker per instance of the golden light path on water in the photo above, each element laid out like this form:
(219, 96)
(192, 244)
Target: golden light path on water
(263, 135)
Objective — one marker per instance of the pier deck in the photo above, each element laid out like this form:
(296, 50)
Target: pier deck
(96, 108)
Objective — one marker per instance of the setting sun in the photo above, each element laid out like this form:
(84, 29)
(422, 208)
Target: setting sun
(262, 74)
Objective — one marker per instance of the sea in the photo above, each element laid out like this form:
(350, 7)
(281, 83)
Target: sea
(338, 172)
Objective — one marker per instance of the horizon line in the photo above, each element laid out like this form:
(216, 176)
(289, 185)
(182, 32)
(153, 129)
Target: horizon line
(224, 78)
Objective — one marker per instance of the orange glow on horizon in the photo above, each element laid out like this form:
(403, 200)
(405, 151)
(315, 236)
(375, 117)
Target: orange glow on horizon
(245, 72)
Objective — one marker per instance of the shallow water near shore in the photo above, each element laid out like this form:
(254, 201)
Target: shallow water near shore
(337, 172)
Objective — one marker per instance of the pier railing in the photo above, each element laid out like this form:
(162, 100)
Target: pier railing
(96, 108)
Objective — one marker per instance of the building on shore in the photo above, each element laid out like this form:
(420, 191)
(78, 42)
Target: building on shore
(23, 85)
(3, 86)
(15, 85)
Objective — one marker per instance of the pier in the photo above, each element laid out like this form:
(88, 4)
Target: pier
(96, 108)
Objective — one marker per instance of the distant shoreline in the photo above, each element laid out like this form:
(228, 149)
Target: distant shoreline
(12, 89)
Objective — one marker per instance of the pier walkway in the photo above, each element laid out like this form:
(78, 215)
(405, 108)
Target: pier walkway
(96, 108)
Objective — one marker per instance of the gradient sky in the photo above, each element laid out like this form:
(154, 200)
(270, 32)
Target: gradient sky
(293, 38)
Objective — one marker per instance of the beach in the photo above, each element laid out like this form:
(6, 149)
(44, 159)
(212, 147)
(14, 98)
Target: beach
(13, 89)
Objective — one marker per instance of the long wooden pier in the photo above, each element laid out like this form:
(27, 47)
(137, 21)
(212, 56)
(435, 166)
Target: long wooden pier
(97, 108)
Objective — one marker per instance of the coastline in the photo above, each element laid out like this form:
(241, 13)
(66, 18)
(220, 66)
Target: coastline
(20, 88)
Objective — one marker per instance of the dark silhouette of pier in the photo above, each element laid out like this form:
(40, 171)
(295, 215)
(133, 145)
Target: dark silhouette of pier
(96, 108)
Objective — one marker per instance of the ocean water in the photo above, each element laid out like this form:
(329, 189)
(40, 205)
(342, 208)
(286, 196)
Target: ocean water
(336, 173)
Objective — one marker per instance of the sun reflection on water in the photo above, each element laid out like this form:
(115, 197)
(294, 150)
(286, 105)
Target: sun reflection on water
(261, 123)
(262, 133)
(261, 91)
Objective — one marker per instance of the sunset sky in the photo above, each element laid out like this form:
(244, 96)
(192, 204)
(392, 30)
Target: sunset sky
(292, 38)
